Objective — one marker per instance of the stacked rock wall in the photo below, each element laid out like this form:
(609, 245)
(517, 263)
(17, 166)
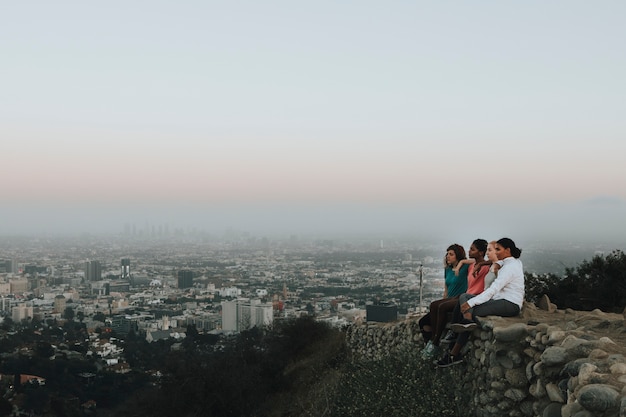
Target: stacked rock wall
(519, 367)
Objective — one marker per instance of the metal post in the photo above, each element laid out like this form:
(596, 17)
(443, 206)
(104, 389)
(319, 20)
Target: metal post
(421, 286)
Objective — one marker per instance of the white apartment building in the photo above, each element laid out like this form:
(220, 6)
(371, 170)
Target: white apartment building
(242, 314)
(21, 312)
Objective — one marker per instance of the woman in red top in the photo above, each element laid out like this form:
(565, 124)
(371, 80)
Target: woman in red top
(439, 309)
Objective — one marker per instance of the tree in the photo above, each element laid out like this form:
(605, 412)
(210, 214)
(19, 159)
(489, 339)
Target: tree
(99, 316)
(310, 308)
(602, 281)
(44, 350)
(7, 324)
(80, 316)
(598, 283)
(68, 313)
(6, 409)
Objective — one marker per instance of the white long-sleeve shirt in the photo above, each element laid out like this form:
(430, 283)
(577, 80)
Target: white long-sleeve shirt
(508, 285)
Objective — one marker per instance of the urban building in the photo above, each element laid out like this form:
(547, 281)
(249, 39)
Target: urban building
(59, 303)
(21, 312)
(242, 314)
(115, 286)
(125, 268)
(382, 312)
(19, 285)
(93, 271)
(185, 279)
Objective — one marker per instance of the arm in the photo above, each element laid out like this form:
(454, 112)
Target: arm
(480, 264)
(462, 262)
(504, 277)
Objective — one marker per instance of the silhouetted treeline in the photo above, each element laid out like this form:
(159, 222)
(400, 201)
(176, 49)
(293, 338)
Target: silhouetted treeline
(254, 374)
(596, 283)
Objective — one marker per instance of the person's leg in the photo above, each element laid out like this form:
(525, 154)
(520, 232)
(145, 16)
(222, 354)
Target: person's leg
(425, 327)
(434, 312)
(461, 338)
(461, 341)
(443, 308)
(463, 298)
(454, 356)
(456, 313)
(502, 308)
(456, 318)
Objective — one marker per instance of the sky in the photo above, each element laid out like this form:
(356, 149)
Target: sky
(453, 119)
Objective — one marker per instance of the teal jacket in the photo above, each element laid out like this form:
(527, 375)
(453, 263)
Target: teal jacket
(456, 285)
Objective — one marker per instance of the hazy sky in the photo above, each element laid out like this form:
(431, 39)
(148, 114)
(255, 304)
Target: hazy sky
(482, 118)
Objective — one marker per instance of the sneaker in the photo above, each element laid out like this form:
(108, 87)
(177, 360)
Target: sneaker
(464, 326)
(430, 350)
(448, 339)
(449, 360)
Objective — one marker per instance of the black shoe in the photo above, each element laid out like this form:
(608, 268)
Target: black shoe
(464, 326)
(449, 360)
(449, 338)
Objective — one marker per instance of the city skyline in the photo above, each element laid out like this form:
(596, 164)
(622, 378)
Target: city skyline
(453, 120)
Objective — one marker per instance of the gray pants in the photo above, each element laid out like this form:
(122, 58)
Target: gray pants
(502, 308)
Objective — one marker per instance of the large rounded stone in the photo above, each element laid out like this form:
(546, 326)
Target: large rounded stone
(572, 341)
(585, 371)
(504, 360)
(514, 332)
(568, 410)
(598, 397)
(498, 385)
(573, 368)
(529, 371)
(618, 368)
(555, 337)
(552, 410)
(496, 372)
(537, 390)
(554, 355)
(515, 394)
(516, 377)
(598, 354)
(554, 393)
(526, 407)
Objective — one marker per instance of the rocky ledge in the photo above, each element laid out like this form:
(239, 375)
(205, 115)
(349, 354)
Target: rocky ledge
(546, 362)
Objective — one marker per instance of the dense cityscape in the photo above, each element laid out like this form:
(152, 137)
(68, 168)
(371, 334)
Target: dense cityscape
(158, 285)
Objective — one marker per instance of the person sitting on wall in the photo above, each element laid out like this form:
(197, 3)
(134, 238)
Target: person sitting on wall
(432, 324)
(479, 279)
(504, 297)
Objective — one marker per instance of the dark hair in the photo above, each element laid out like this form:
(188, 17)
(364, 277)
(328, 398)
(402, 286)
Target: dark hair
(458, 251)
(507, 243)
(481, 245)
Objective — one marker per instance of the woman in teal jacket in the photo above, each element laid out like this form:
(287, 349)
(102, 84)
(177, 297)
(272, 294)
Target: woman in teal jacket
(455, 285)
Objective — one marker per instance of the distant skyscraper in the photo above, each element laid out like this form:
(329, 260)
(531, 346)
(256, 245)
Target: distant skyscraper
(11, 266)
(125, 274)
(93, 271)
(185, 279)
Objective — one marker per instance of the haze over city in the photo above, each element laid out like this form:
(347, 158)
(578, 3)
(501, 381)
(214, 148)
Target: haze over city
(456, 120)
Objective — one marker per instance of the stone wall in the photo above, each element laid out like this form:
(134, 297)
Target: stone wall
(559, 363)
